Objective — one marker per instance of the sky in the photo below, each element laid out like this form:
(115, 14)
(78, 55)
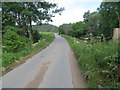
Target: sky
(74, 10)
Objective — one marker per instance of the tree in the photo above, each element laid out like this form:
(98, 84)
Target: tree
(86, 16)
(61, 30)
(92, 21)
(17, 19)
(108, 17)
(65, 28)
(23, 14)
(79, 29)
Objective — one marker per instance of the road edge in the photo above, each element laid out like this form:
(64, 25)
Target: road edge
(24, 59)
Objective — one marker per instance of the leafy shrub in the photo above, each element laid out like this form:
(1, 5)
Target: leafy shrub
(36, 36)
(79, 29)
(13, 42)
(11, 28)
(9, 57)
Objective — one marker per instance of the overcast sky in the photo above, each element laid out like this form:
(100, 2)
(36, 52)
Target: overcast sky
(74, 10)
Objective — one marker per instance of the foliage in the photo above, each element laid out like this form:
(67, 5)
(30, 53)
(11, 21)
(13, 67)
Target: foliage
(22, 14)
(108, 17)
(36, 36)
(79, 29)
(65, 29)
(103, 20)
(86, 16)
(9, 58)
(96, 23)
(97, 57)
(26, 12)
(11, 28)
(17, 32)
(55, 31)
(13, 42)
(99, 62)
(45, 27)
(93, 23)
(61, 30)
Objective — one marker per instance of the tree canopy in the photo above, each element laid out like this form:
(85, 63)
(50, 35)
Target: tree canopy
(109, 17)
(100, 22)
(17, 19)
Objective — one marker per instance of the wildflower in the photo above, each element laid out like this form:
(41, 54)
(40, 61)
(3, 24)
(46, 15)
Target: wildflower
(85, 38)
(85, 41)
(77, 42)
(98, 37)
(90, 34)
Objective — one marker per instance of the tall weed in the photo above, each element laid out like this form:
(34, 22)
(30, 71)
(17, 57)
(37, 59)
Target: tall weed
(99, 61)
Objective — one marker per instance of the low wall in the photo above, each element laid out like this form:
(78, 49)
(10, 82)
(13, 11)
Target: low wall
(116, 33)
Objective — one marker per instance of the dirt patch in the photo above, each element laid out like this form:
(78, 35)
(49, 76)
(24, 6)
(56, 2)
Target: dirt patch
(77, 76)
(21, 61)
(39, 77)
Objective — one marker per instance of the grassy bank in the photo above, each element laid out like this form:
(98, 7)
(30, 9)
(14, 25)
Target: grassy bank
(9, 58)
(99, 62)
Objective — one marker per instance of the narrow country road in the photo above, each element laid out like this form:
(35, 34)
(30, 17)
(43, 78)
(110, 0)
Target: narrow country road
(53, 67)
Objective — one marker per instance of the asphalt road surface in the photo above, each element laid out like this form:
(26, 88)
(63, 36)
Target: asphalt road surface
(50, 68)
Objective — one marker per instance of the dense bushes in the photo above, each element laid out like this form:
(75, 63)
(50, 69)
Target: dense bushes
(102, 21)
(77, 29)
(15, 45)
(99, 62)
(10, 57)
(13, 42)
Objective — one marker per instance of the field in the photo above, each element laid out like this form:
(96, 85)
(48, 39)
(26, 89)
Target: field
(99, 62)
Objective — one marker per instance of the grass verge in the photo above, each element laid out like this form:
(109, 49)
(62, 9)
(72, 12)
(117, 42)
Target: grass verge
(99, 62)
(9, 59)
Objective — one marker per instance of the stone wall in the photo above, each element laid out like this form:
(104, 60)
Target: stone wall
(116, 33)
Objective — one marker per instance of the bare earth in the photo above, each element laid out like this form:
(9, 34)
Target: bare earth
(53, 67)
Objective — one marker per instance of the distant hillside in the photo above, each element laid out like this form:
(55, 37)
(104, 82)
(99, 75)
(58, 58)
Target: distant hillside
(45, 27)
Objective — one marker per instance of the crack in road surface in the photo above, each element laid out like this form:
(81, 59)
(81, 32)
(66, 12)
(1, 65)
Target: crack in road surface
(39, 77)
(53, 67)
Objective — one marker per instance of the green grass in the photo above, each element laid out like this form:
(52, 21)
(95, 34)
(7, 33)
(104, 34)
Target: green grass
(9, 58)
(99, 61)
